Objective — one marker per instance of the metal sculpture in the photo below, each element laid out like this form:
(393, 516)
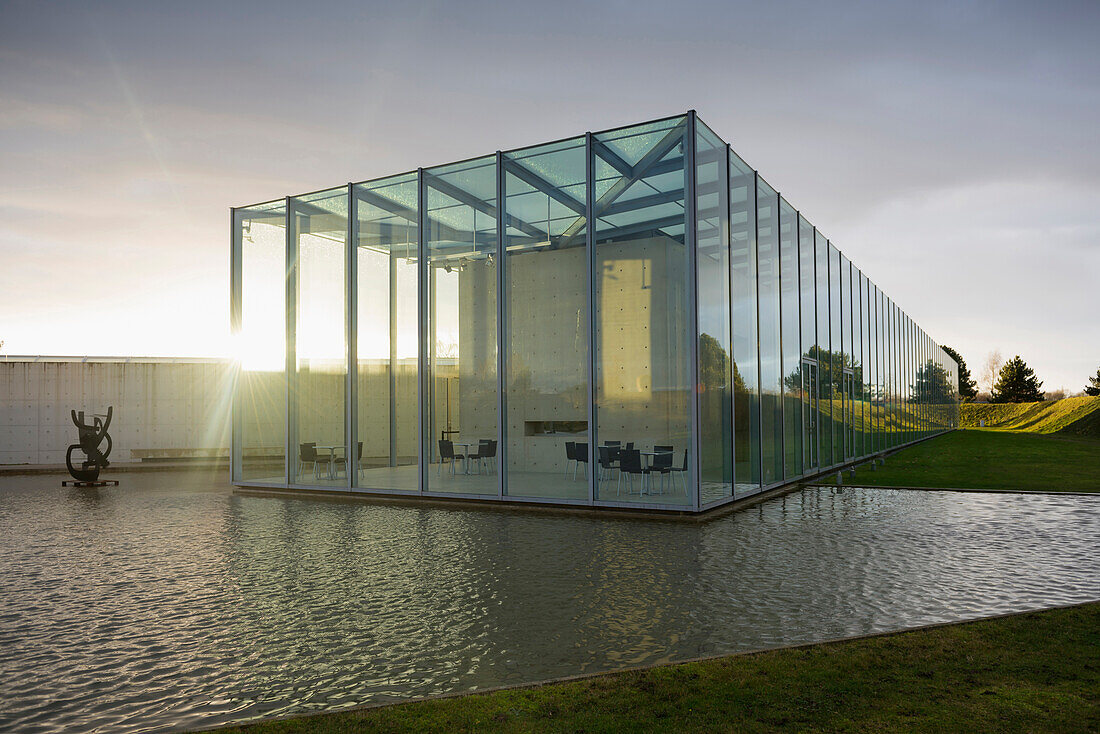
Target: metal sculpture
(90, 437)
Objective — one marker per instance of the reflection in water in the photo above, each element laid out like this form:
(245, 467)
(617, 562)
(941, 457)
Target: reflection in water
(171, 602)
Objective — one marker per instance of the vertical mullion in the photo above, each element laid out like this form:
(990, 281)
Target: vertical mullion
(392, 326)
(755, 255)
(422, 394)
(781, 431)
(590, 303)
(236, 273)
(502, 331)
(690, 237)
(351, 322)
(800, 456)
(725, 182)
(291, 366)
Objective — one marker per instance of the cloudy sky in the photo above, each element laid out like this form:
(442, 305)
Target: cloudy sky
(951, 150)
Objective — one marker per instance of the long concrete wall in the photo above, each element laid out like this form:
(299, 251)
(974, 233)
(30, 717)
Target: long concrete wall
(163, 408)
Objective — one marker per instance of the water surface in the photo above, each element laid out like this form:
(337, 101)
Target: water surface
(169, 602)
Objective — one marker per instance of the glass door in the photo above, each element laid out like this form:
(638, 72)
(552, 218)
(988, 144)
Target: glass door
(849, 413)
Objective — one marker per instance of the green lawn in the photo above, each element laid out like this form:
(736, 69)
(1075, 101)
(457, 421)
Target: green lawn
(1038, 672)
(991, 459)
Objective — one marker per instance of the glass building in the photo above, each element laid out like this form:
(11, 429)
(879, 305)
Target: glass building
(473, 330)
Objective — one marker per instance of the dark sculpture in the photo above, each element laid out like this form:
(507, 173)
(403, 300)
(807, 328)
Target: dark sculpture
(90, 437)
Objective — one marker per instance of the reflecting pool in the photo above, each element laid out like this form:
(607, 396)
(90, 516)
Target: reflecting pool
(170, 602)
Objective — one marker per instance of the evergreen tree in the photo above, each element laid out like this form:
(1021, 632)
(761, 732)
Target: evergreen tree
(1016, 383)
(1093, 388)
(933, 384)
(968, 388)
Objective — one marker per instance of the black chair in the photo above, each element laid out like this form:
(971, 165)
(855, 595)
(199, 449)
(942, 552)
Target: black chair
(615, 447)
(682, 471)
(486, 449)
(581, 453)
(307, 454)
(630, 464)
(662, 463)
(607, 465)
(338, 460)
(570, 455)
(343, 460)
(492, 455)
(447, 455)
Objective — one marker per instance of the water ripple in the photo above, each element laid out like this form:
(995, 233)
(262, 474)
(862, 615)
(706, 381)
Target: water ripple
(171, 603)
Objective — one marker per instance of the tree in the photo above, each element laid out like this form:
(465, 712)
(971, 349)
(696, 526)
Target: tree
(1016, 383)
(933, 384)
(968, 387)
(1093, 388)
(714, 363)
(991, 369)
(831, 368)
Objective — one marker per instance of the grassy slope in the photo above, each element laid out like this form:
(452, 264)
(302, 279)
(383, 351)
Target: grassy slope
(1071, 416)
(984, 459)
(1038, 672)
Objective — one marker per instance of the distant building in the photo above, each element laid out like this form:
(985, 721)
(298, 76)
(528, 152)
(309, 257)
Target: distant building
(641, 290)
(164, 408)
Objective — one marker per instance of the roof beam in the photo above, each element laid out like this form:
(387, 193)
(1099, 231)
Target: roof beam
(465, 197)
(529, 177)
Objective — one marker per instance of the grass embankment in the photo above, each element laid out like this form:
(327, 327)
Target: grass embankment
(1037, 672)
(1070, 416)
(991, 459)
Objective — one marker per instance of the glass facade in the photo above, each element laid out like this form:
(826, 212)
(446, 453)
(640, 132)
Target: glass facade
(632, 318)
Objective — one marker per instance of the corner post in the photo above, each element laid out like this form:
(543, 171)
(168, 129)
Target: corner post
(351, 322)
(690, 211)
(590, 307)
(502, 332)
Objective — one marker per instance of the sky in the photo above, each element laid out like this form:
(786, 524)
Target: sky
(950, 149)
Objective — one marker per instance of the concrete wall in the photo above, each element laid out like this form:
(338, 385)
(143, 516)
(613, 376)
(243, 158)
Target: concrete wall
(163, 408)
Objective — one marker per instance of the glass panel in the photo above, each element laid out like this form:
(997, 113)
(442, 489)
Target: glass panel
(546, 278)
(643, 378)
(907, 335)
(461, 250)
(386, 261)
(836, 356)
(746, 393)
(789, 277)
(713, 296)
(260, 232)
(320, 224)
(823, 353)
(851, 362)
(891, 374)
(883, 370)
(771, 375)
(807, 294)
(866, 391)
(880, 406)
